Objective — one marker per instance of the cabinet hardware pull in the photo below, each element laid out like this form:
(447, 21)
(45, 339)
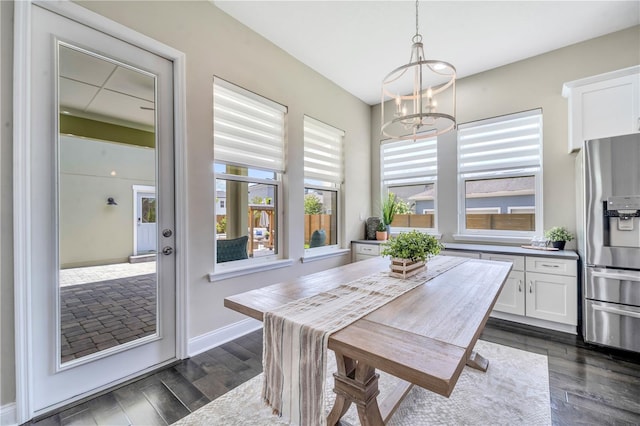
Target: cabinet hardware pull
(530, 286)
(546, 265)
(520, 286)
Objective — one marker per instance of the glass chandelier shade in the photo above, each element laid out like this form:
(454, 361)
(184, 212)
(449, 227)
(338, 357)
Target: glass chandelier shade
(429, 110)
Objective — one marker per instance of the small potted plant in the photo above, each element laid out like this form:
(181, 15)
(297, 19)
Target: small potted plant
(558, 235)
(409, 252)
(381, 232)
(389, 208)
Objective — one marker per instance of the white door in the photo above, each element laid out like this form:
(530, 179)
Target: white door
(146, 228)
(81, 209)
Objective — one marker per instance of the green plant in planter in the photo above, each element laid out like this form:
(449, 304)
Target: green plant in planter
(558, 233)
(389, 208)
(381, 227)
(414, 245)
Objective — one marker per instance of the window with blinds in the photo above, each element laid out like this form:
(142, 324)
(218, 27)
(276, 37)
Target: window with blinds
(248, 146)
(409, 170)
(323, 178)
(248, 129)
(323, 153)
(500, 175)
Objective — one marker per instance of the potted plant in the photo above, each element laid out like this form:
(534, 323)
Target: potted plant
(389, 208)
(558, 235)
(409, 252)
(381, 232)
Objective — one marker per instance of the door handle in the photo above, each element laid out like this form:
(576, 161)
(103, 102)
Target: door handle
(530, 286)
(167, 250)
(167, 233)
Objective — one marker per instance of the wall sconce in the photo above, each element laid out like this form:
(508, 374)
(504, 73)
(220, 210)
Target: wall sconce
(111, 202)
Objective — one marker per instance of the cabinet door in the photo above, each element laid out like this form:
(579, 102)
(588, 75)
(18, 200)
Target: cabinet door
(604, 109)
(511, 299)
(552, 297)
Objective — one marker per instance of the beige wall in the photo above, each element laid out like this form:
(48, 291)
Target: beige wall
(528, 84)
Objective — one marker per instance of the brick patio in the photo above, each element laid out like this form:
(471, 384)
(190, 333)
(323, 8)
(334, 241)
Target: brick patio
(100, 315)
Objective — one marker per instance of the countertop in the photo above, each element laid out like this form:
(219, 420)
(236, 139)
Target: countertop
(488, 248)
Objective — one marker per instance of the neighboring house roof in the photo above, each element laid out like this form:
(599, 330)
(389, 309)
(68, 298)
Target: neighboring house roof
(505, 187)
(485, 188)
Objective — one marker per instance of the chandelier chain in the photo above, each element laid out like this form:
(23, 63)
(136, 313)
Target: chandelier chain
(417, 32)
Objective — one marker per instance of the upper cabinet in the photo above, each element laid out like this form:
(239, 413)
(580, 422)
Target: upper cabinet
(603, 105)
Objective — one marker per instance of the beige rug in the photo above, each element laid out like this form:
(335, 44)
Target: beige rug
(514, 390)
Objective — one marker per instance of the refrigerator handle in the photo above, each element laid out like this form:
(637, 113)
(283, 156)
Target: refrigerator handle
(616, 311)
(616, 275)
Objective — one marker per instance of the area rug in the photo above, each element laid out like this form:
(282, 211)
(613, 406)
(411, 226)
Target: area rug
(514, 390)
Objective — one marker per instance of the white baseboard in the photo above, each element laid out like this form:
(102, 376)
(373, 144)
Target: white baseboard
(565, 328)
(8, 414)
(210, 340)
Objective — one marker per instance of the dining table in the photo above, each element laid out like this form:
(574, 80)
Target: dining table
(425, 337)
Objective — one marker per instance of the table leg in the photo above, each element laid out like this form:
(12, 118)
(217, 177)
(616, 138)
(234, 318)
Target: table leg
(477, 361)
(355, 382)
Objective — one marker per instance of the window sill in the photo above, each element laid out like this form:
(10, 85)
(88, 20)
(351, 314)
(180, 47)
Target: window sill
(492, 238)
(312, 257)
(246, 270)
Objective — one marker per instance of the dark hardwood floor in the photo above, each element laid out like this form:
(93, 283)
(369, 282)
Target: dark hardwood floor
(588, 385)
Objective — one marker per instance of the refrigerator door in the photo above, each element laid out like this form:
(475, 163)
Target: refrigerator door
(612, 191)
(614, 325)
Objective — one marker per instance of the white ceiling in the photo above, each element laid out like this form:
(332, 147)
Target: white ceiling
(356, 43)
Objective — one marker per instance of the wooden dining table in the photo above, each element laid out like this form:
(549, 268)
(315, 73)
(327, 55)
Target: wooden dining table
(424, 337)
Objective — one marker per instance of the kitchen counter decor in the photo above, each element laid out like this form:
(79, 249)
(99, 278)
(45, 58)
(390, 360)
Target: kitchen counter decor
(409, 252)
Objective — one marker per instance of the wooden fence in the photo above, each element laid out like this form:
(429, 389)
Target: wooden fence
(317, 221)
(503, 221)
(413, 220)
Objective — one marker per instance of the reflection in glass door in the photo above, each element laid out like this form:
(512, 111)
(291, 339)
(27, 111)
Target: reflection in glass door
(106, 145)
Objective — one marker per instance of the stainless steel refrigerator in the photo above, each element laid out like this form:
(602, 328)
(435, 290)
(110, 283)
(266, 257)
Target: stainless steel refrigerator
(609, 240)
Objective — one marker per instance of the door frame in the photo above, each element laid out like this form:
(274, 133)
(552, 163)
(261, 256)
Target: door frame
(138, 189)
(22, 183)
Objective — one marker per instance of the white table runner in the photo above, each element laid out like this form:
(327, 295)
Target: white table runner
(296, 337)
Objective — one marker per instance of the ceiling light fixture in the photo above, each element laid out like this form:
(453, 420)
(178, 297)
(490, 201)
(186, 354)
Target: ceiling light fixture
(418, 114)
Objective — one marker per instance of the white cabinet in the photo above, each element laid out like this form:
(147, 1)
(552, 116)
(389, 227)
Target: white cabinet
(363, 251)
(603, 105)
(511, 299)
(543, 288)
(552, 297)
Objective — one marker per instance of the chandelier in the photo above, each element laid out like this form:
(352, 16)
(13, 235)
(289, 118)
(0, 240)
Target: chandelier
(429, 110)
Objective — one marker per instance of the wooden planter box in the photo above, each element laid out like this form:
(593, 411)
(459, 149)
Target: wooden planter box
(405, 268)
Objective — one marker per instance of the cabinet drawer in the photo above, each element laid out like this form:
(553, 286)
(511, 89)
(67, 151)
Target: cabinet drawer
(552, 266)
(368, 249)
(359, 257)
(458, 253)
(518, 261)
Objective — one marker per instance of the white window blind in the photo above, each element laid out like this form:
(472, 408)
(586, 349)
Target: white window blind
(248, 130)
(501, 143)
(323, 152)
(409, 161)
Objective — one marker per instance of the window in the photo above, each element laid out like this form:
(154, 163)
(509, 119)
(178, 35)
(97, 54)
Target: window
(323, 177)
(248, 142)
(409, 171)
(500, 176)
